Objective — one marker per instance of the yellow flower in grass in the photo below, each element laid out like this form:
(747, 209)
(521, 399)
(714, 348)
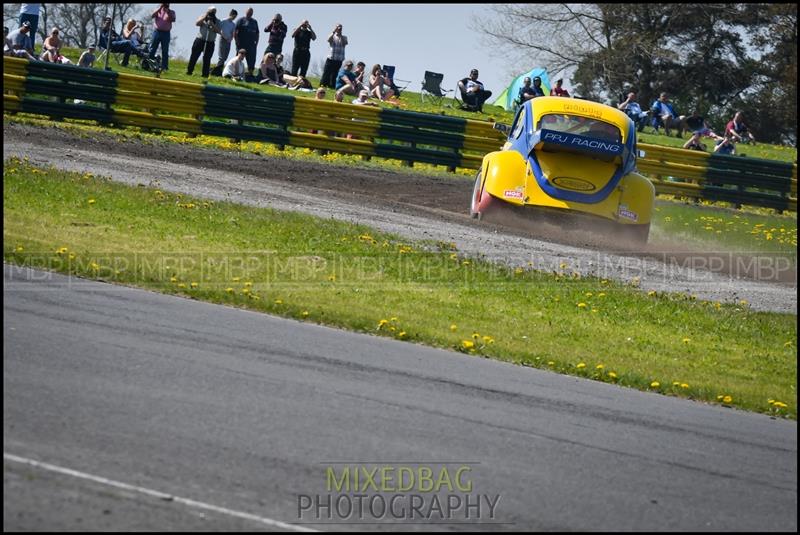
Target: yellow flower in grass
(655, 384)
(246, 291)
(453, 327)
(684, 385)
(467, 344)
(181, 285)
(236, 279)
(727, 399)
(20, 248)
(173, 279)
(230, 290)
(92, 201)
(61, 250)
(551, 363)
(686, 340)
(779, 405)
(248, 284)
(488, 340)
(71, 256)
(194, 285)
(382, 323)
(582, 305)
(612, 375)
(278, 302)
(581, 365)
(599, 367)
(401, 334)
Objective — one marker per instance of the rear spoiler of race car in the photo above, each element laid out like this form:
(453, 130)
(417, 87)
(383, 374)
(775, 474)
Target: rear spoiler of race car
(555, 141)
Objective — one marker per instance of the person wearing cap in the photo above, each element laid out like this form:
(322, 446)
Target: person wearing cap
(559, 91)
(346, 81)
(473, 92)
(234, 68)
(87, 58)
(204, 42)
(277, 31)
(163, 17)
(30, 13)
(363, 99)
(333, 62)
(21, 43)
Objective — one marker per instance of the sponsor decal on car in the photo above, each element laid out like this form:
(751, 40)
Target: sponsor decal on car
(581, 142)
(627, 214)
(512, 194)
(577, 184)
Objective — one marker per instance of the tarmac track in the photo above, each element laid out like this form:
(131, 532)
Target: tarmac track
(156, 412)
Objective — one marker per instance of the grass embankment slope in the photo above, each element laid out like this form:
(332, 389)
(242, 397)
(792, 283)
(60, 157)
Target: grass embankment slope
(350, 276)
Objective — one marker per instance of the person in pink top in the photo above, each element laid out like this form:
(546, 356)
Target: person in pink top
(163, 17)
(559, 91)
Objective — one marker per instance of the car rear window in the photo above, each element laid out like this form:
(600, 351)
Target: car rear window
(582, 126)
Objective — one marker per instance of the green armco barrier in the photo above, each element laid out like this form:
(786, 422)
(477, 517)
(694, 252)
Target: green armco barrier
(286, 120)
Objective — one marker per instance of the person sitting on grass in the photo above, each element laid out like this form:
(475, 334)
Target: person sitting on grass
(19, 42)
(697, 125)
(235, 68)
(378, 87)
(346, 81)
(738, 129)
(726, 145)
(269, 70)
(87, 58)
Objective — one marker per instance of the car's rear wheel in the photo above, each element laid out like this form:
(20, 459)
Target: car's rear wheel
(476, 197)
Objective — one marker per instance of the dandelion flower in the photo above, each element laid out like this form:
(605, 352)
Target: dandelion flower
(687, 340)
(581, 365)
(655, 384)
(684, 385)
(19, 248)
(453, 327)
(181, 285)
(581, 305)
(382, 323)
(401, 334)
(599, 367)
(613, 375)
(194, 285)
(229, 290)
(304, 313)
(92, 201)
(278, 302)
(727, 399)
(467, 344)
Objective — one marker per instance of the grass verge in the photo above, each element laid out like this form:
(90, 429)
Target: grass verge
(350, 276)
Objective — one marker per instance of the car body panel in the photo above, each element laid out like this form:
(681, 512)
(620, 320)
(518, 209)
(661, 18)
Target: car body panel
(570, 155)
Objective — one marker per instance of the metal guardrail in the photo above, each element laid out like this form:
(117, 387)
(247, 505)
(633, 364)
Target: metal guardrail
(109, 97)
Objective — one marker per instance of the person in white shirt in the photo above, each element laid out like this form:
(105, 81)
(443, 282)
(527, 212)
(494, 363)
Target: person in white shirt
(235, 66)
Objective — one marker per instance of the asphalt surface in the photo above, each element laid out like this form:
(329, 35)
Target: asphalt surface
(245, 411)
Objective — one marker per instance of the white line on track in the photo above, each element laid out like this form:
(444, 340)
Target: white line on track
(156, 494)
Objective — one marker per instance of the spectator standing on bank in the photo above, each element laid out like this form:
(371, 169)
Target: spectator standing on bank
(226, 28)
(301, 56)
(87, 58)
(277, 33)
(30, 13)
(333, 63)
(246, 36)
(163, 17)
(204, 42)
(559, 91)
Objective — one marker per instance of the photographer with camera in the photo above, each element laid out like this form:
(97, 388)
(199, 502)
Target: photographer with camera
(277, 33)
(163, 18)
(204, 42)
(333, 62)
(301, 57)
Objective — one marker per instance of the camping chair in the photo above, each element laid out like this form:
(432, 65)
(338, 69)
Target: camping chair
(389, 70)
(432, 85)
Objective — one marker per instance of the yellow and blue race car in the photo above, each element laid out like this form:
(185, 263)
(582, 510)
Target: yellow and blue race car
(569, 155)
